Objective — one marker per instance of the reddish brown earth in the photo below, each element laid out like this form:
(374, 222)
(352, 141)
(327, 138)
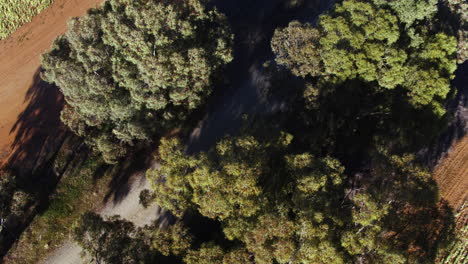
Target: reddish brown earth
(452, 174)
(29, 108)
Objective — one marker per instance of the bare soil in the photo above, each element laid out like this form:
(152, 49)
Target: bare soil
(128, 208)
(20, 83)
(452, 174)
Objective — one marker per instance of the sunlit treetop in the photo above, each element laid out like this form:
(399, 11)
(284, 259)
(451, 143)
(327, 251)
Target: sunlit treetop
(387, 43)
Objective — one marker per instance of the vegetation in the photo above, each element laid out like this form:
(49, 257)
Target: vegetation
(457, 251)
(279, 205)
(77, 192)
(381, 42)
(335, 180)
(112, 241)
(115, 240)
(14, 13)
(13, 200)
(132, 70)
(458, 17)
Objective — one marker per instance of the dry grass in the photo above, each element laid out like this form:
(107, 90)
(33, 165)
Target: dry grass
(82, 188)
(458, 250)
(452, 175)
(15, 13)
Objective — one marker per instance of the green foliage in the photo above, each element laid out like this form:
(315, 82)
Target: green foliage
(208, 253)
(131, 70)
(111, 241)
(457, 251)
(83, 185)
(222, 183)
(304, 58)
(174, 240)
(171, 190)
(279, 206)
(13, 200)
(14, 13)
(237, 256)
(146, 198)
(410, 11)
(378, 43)
(238, 184)
(459, 15)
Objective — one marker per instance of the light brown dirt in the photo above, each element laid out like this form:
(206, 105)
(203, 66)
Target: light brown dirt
(452, 174)
(20, 60)
(129, 208)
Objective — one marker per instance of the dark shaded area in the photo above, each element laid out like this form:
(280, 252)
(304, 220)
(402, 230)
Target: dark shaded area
(39, 137)
(121, 182)
(39, 132)
(457, 109)
(253, 24)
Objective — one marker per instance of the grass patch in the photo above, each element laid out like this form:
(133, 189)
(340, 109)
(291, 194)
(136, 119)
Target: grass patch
(15, 13)
(81, 188)
(458, 251)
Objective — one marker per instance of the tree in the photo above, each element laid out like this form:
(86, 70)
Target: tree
(208, 253)
(378, 42)
(13, 200)
(113, 240)
(131, 70)
(173, 240)
(410, 11)
(457, 18)
(303, 209)
(262, 195)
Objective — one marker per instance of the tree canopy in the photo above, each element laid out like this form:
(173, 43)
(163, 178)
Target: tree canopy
(131, 70)
(113, 240)
(333, 181)
(381, 42)
(281, 206)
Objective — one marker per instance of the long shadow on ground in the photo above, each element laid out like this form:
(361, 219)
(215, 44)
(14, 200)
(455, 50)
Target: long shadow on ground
(253, 24)
(458, 126)
(38, 129)
(39, 136)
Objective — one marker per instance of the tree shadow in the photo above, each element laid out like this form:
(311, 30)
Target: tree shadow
(457, 109)
(39, 137)
(39, 132)
(132, 169)
(253, 24)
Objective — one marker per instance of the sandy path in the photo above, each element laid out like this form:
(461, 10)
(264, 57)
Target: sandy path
(20, 60)
(452, 174)
(129, 208)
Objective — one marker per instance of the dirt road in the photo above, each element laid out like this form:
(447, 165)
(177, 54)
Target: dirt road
(128, 208)
(20, 61)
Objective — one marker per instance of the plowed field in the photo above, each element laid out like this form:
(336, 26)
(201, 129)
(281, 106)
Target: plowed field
(452, 174)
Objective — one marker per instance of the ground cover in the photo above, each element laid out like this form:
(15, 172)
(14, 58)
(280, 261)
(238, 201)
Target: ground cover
(14, 13)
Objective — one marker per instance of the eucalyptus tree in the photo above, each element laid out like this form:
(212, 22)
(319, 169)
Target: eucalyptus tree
(132, 70)
(386, 43)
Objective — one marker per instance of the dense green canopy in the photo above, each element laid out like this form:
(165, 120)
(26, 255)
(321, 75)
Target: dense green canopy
(282, 206)
(375, 41)
(131, 69)
(341, 186)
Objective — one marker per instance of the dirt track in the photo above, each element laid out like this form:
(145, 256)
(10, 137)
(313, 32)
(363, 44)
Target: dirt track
(452, 174)
(128, 208)
(20, 61)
